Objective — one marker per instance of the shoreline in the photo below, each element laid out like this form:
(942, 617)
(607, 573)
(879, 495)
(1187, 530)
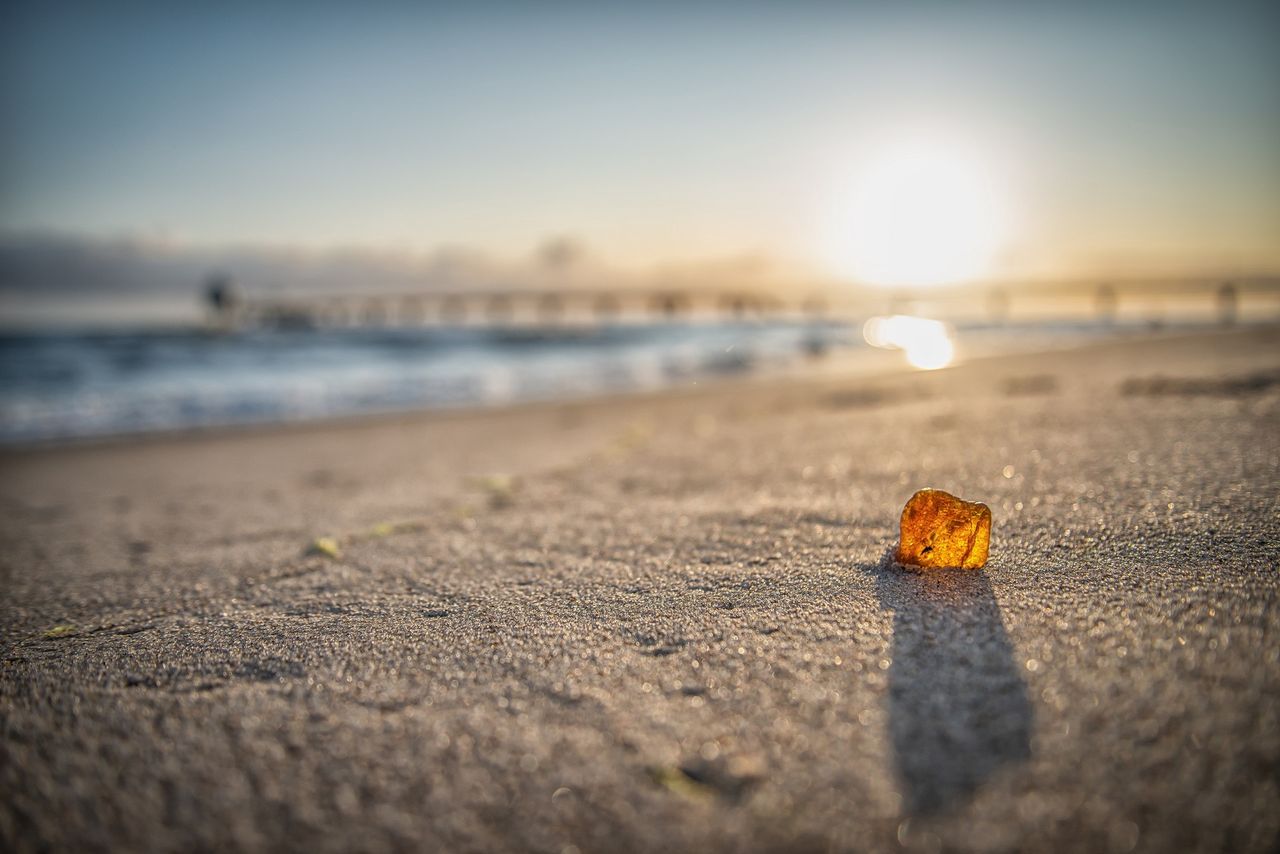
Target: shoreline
(835, 367)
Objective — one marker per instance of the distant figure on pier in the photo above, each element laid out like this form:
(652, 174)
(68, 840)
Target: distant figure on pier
(219, 292)
(221, 297)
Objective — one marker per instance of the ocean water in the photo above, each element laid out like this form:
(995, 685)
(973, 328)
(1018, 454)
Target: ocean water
(70, 385)
(66, 385)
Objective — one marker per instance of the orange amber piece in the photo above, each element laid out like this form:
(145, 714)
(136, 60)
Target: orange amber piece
(939, 530)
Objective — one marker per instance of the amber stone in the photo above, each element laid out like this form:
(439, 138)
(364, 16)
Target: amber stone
(939, 530)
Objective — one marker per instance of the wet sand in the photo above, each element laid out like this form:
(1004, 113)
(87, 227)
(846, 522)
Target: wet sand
(666, 622)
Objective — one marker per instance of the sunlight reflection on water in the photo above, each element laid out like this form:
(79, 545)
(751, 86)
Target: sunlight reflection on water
(926, 343)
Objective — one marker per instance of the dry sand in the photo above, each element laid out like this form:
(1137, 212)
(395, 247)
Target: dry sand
(664, 623)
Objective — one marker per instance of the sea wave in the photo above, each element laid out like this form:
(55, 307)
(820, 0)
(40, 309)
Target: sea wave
(71, 385)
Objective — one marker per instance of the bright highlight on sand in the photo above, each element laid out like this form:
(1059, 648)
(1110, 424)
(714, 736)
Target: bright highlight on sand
(926, 343)
(922, 211)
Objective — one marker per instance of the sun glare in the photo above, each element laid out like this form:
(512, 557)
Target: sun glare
(919, 212)
(926, 343)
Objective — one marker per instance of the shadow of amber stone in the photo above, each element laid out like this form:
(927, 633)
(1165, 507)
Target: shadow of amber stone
(939, 530)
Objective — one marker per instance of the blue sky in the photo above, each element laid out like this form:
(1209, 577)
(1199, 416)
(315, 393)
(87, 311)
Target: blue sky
(1131, 135)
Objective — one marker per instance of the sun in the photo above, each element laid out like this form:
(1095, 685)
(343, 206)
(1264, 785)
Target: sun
(918, 212)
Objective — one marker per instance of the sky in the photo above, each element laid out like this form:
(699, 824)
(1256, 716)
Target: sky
(1105, 137)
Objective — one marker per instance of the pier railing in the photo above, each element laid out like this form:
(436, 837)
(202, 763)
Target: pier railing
(503, 308)
(1224, 302)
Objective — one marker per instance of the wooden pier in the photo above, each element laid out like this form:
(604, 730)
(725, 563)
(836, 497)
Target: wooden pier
(506, 308)
(582, 308)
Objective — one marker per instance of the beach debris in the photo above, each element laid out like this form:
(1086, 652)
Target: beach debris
(325, 547)
(61, 631)
(942, 531)
(636, 435)
(732, 776)
(392, 529)
(711, 773)
(500, 488)
(676, 781)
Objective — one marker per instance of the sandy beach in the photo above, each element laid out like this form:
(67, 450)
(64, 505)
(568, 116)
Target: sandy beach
(666, 622)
